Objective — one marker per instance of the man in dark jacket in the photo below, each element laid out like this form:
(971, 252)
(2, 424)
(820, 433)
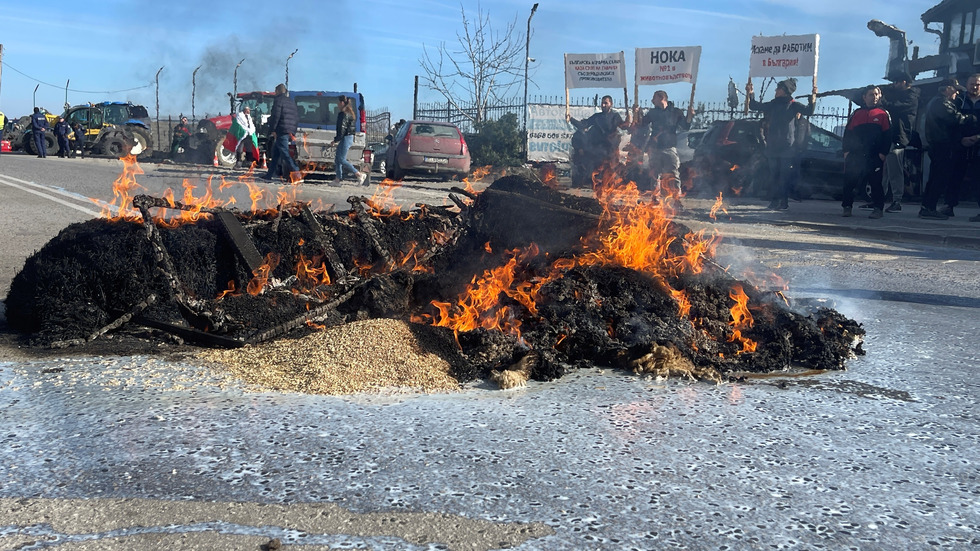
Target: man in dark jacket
(867, 139)
(61, 131)
(658, 128)
(970, 148)
(783, 148)
(283, 120)
(944, 126)
(39, 124)
(901, 101)
(602, 137)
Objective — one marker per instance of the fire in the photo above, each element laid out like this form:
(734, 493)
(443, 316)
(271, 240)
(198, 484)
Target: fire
(480, 306)
(719, 205)
(549, 176)
(261, 274)
(122, 191)
(476, 175)
(311, 273)
(741, 319)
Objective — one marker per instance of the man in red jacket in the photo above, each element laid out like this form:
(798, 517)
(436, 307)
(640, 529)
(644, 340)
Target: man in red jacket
(867, 139)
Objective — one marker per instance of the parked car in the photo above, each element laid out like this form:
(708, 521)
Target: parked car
(379, 156)
(428, 147)
(731, 158)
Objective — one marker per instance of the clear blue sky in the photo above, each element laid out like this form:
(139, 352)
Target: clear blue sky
(112, 49)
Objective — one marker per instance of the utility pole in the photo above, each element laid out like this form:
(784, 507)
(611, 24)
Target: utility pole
(234, 94)
(194, 90)
(1, 58)
(527, 60)
(35, 94)
(67, 105)
(287, 68)
(157, 78)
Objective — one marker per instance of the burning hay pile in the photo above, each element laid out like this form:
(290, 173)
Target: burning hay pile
(519, 281)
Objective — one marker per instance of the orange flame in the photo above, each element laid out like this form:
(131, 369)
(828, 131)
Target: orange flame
(719, 205)
(741, 319)
(261, 274)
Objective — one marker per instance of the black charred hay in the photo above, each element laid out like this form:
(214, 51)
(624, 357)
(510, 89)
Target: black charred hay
(99, 275)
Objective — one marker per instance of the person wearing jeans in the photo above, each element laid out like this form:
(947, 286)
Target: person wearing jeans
(344, 140)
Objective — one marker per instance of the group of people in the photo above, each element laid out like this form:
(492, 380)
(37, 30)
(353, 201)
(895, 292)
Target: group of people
(283, 124)
(69, 138)
(875, 141)
(885, 125)
(653, 133)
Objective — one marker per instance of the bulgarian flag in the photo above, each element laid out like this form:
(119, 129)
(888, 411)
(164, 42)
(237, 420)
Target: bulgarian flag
(235, 134)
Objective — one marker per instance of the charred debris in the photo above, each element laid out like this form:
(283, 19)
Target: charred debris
(519, 281)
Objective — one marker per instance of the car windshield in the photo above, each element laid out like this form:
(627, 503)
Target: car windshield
(259, 106)
(116, 114)
(435, 131)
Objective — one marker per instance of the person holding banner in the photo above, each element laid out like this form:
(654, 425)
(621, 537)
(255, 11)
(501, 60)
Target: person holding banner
(781, 116)
(656, 130)
(601, 137)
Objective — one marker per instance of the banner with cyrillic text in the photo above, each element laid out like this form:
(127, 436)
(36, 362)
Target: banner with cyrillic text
(595, 70)
(656, 66)
(549, 136)
(784, 56)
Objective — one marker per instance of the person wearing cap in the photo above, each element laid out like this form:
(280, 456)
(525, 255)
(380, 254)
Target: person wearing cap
(61, 131)
(901, 101)
(944, 126)
(867, 139)
(783, 144)
(39, 125)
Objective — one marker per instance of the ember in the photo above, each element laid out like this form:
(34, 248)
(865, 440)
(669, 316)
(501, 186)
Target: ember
(526, 281)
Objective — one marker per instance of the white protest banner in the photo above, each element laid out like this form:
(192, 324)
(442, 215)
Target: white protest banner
(666, 65)
(784, 56)
(549, 137)
(595, 70)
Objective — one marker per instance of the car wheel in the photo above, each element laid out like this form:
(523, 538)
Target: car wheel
(396, 171)
(141, 136)
(116, 148)
(225, 158)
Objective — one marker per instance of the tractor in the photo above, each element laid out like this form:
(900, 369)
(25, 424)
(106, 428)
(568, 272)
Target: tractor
(112, 128)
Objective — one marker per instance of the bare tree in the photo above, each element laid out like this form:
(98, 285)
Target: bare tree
(485, 67)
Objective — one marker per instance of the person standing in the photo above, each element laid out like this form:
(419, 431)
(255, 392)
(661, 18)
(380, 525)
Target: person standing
(283, 121)
(660, 125)
(39, 124)
(944, 126)
(3, 123)
(78, 144)
(344, 139)
(968, 171)
(601, 137)
(243, 132)
(781, 115)
(867, 139)
(61, 131)
(901, 101)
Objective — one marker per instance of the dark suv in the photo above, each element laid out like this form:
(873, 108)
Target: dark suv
(731, 159)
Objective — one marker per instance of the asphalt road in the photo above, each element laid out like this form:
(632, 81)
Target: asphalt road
(144, 452)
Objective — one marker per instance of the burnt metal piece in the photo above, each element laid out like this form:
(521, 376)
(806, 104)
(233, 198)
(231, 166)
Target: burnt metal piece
(243, 243)
(367, 224)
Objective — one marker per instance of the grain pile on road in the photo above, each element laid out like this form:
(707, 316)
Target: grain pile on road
(372, 356)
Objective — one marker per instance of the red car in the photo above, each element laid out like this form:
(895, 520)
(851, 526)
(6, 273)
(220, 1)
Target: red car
(428, 147)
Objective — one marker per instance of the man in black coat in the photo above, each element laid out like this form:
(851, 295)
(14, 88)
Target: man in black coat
(901, 101)
(658, 128)
(944, 126)
(39, 124)
(601, 133)
(61, 131)
(781, 115)
(283, 120)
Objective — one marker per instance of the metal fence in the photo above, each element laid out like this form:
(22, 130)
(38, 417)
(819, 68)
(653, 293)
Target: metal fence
(832, 119)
